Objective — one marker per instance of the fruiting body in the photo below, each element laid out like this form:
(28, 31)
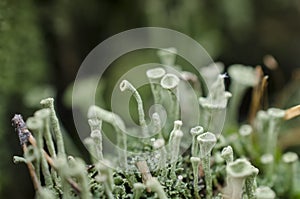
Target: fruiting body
(206, 142)
(238, 171)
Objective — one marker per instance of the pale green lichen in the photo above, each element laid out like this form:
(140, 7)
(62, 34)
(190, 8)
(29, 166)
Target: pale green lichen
(290, 159)
(174, 141)
(237, 171)
(206, 142)
(154, 76)
(49, 103)
(138, 189)
(195, 131)
(44, 115)
(127, 86)
(213, 105)
(250, 183)
(170, 82)
(275, 118)
(167, 171)
(268, 165)
(155, 186)
(167, 56)
(118, 124)
(242, 78)
(227, 154)
(265, 193)
(195, 164)
(159, 144)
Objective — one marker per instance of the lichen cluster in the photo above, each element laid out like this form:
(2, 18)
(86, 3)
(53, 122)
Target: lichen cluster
(242, 162)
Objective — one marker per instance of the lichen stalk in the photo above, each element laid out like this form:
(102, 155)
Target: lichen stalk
(119, 126)
(195, 131)
(95, 125)
(159, 144)
(237, 171)
(49, 103)
(63, 170)
(44, 114)
(227, 154)
(242, 78)
(207, 172)
(213, 105)
(264, 192)
(127, 86)
(157, 125)
(90, 144)
(31, 155)
(104, 168)
(250, 184)
(18, 159)
(154, 75)
(44, 193)
(174, 142)
(195, 164)
(78, 170)
(275, 118)
(245, 131)
(206, 142)
(290, 159)
(167, 56)
(35, 125)
(268, 165)
(170, 82)
(138, 189)
(154, 185)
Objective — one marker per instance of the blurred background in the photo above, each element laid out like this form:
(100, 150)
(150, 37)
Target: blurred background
(42, 44)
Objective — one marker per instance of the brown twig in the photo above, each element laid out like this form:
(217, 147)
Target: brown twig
(258, 94)
(292, 112)
(25, 136)
(143, 168)
(73, 184)
(32, 141)
(35, 181)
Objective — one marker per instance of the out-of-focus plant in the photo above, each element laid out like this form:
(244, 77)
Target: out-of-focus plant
(22, 62)
(196, 19)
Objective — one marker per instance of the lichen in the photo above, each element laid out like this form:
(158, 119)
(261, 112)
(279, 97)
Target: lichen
(213, 167)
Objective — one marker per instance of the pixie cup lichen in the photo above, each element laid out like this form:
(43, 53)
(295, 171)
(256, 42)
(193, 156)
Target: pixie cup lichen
(290, 159)
(214, 105)
(174, 156)
(242, 78)
(206, 143)
(154, 75)
(127, 86)
(195, 131)
(167, 56)
(159, 145)
(170, 82)
(227, 154)
(237, 171)
(49, 103)
(265, 193)
(174, 141)
(195, 164)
